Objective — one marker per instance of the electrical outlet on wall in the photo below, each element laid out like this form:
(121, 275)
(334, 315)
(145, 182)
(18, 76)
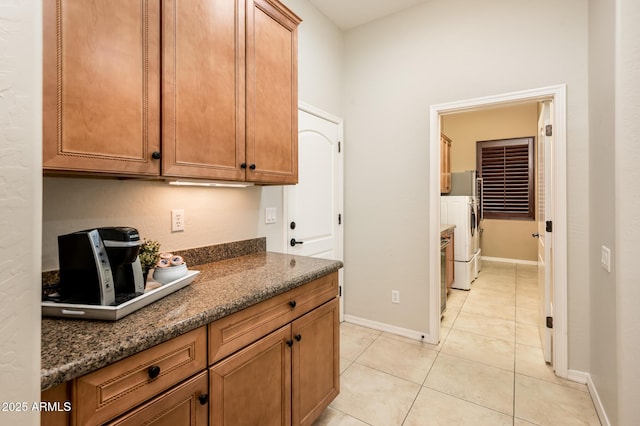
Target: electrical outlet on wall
(177, 220)
(395, 296)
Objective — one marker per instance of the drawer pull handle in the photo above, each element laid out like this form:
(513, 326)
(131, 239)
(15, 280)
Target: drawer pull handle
(292, 304)
(289, 343)
(204, 398)
(298, 337)
(154, 371)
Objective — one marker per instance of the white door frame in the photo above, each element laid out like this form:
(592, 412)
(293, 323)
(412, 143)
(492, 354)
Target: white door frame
(558, 95)
(302, 106)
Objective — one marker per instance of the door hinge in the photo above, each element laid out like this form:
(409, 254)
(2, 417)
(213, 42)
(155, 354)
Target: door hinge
(549, 227)
(339, 146)
(548, 130)
(549, 322)
(339, 218)
(339, 291)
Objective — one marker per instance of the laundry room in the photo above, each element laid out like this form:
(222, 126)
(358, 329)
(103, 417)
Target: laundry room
(505, 236)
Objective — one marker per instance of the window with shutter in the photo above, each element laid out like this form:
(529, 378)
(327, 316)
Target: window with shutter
(506, 169)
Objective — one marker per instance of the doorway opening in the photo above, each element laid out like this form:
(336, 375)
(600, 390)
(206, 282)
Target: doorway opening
(557, 95)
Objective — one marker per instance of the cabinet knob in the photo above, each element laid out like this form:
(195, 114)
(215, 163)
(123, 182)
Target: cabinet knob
(154, 371)
(156, 155)
(292, 304)
(298, 337)
(289, 343)
(204, 398)
(252, 167)
(243, 165)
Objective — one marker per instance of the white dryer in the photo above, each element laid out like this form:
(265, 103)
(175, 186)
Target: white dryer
(462, 211)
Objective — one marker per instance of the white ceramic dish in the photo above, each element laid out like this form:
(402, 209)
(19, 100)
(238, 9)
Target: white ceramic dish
(113, 313)
(170, 273)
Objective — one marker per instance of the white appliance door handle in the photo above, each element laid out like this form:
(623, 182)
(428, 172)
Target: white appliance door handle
(481, 195)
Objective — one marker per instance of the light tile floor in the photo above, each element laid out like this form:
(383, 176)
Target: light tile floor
(487, 370)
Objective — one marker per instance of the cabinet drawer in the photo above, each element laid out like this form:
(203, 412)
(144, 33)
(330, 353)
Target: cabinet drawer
(235, 331)
(186, 404)
(112, 390)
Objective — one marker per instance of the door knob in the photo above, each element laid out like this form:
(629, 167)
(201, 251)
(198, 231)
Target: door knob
(293, 242)
(536, 235)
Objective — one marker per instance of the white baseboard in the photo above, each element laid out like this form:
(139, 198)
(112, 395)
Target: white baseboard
(405, 332)
(505, 260)
(585, 378)
(578, 376)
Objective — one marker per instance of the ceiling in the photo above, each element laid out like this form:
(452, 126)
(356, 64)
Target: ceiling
(347, 14)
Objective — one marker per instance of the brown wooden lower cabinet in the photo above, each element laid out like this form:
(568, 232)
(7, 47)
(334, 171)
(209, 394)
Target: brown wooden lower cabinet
(315, 362)
(253, 386)
(287, 375)
(449, 257)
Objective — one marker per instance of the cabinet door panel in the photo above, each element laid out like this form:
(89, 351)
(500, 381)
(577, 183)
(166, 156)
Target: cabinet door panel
(101, 86)
(203, 89)
(316, 359)
(272, 93)
(179, 406)
(253, 386)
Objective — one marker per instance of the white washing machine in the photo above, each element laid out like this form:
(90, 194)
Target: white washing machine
(462, 211)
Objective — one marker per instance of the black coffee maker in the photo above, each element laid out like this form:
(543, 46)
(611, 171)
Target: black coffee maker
(100, 266)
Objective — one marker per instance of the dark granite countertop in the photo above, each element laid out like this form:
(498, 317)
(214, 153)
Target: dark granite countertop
(71, 348)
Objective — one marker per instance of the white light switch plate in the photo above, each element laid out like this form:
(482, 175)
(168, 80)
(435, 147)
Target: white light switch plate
(605, 258)
(270, 215)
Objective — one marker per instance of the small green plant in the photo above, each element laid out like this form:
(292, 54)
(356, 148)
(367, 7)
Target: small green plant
(149, 254)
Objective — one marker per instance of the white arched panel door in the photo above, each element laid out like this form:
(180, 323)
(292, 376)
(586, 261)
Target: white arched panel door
(314, 205)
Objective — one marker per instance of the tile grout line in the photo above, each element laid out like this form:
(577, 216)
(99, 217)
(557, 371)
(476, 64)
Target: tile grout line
(438, 351)
(515, 355)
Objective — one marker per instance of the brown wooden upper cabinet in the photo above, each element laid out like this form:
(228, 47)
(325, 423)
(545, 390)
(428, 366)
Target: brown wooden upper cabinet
(445, 164)
(199, 89)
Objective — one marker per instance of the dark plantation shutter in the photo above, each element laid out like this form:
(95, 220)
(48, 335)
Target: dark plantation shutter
(506, 168)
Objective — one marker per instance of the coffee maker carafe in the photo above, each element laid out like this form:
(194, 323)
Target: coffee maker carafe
(100, 266)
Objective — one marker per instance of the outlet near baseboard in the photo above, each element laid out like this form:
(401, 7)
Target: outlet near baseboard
(395, 296)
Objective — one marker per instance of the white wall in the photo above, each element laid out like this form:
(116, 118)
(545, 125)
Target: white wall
(320, 58)
(627, 205)
(442, 51)
(614, 108)
(212, 215)
(603, 338)
(20, 206)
